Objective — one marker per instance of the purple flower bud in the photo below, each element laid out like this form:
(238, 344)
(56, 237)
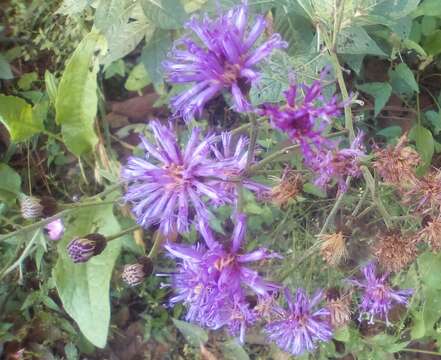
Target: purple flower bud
(82, 249)
(55, 229)
(134, 274)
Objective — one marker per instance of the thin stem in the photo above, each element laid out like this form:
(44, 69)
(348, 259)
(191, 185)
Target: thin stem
(157, 242)
(122, 233)
(422, 351)
(253, 139)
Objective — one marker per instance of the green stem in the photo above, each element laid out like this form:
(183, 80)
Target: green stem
(122, 233)
(422, 351)
(253, 139)
(156, 245)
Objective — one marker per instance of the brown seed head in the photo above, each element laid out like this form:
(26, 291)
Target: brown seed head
(288, 188)
(395, 251)
(333, 248)
(431, 234)
(340, 309)
(425, 194)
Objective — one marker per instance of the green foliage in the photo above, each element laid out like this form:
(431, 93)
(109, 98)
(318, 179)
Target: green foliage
(84, 288)
(5, 69)
(18, 117)
(165, 14)
(76, 102)
(10, 183)
(380, 91)
(193, 334)
(138, 78)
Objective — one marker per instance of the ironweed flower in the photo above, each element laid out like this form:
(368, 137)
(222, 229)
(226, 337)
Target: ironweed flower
(213, 281)
(304, 120)
(378, 297)
(55, 229)
(168, 182)
(299, 327)
(339, 164)
(394, 251)
(82, 249)
(223, 58)
(234, 160)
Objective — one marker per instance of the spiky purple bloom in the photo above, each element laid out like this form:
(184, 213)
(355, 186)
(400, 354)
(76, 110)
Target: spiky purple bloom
(168, 182)
(378, 297)
(82, 249)
(223, 58)
(304, 120)
(338, 164)
(234, 158)
(299, 327)
(213, 281)
(55, 229)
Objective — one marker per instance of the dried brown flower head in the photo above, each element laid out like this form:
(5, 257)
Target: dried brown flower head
(288, 188)
(339, 307)
(425, 194)
(333, 248)
(394, 250)
(431, 233)
(396, 165)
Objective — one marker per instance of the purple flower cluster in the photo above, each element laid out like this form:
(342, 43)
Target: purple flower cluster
(222, 58)
(378, 297)
(213, 280)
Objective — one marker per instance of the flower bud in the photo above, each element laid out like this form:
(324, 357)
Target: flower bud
(33, 207)
(82, 249)
(55, 229)
(134, 274)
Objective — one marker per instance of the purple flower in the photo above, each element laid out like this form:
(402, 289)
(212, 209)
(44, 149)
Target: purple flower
(338, 164)
(305, 120)
(165, 184)
(55, 229)
(223, 58)
(234, 159)
(378, 297)
(213, 281)
(299, 327)
(82, 249)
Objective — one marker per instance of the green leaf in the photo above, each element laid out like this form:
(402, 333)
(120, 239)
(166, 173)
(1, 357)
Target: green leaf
(138, 78)
(313, 190)
(355, 40)
(26, 80)
(429, 265)
(77, 100)
(428, 25)
(424, 143)
(232, 350)
(435, 120)
(428, 7)
(391, 132)
(402, 80)
(16, 115)
(432, 43)
(395, 9)
(5, 69)
(379, 91)
(51, 86)
(194, 335)
(84, 288)
(10, 183)
(154, 54)
(343, 334)
(71, 7)
(116, 68)
(165, 14)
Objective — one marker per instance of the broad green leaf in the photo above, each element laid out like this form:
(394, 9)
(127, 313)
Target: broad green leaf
(116, 68)
(51, 86)
(10, 183)
(379, 91)
(402, 80)
(26, 80)
(395, 9)
(424, 143)
(355, 40)
(194, 335)
(155, 52)
(391, 132)
(343, 334)
(355, 62)
(77, 100)
(71, 7)
(16, 115)
(435, 120)
(429, 265)
(313, 190)
(5, 69)
(428, 25)
(111, 13)
(138, 78)
(84, 288)
(432, 44)
(232, 350)
(428, 7)
(165, 14)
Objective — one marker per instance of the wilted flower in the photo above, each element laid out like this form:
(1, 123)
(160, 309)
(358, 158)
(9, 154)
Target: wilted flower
(425, 193)
(300, 327)
(163, 191)
(289, 186)
(81, 249)
(212, 281)
(134, 274)
(33, 207)
(339, 164)
(431, 233)
(55, 229)
(234, 160)
(394, 251)
(378, 297)
(333, 248)
(396, 165)
(339, 307)
(223, 58)
(305, 120)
